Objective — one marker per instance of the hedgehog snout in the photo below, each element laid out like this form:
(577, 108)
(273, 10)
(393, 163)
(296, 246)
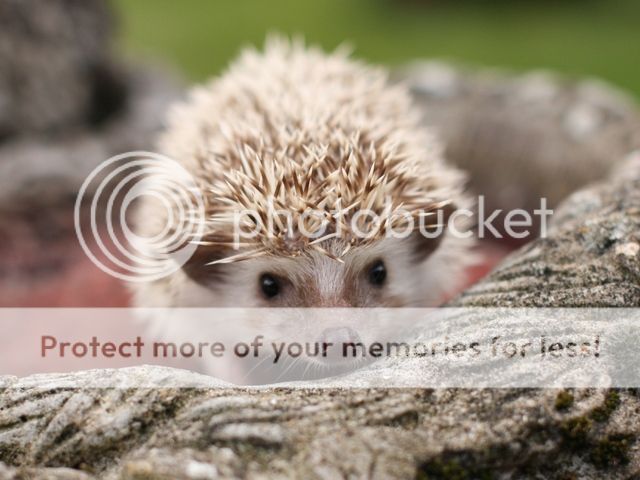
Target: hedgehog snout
(332, 342)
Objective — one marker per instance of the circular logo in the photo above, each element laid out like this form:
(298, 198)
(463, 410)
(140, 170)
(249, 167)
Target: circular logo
(105, 205)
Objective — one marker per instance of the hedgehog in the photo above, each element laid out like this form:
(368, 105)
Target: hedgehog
(293, 129)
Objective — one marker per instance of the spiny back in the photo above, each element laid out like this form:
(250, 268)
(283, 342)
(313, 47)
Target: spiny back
(293, 128)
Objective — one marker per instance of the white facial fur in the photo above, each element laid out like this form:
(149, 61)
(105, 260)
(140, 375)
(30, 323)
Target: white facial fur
(316, 280)
(292, 115)
(324, 282)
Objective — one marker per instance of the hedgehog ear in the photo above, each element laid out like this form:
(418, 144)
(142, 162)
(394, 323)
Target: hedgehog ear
(198, 267)
(427, 238)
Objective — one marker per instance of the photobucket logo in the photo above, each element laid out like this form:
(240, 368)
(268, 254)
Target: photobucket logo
(366, 224)
(317, 225)
(102, 215)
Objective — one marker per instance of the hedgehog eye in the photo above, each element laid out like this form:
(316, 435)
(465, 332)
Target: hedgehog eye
(269, 285)
(377, 273)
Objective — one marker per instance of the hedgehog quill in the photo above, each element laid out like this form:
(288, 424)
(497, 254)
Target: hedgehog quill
(292, 129)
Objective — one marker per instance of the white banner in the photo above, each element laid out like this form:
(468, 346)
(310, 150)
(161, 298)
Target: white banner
(349, 348)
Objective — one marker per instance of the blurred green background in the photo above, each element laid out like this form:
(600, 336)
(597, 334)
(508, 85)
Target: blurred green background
(578, 37)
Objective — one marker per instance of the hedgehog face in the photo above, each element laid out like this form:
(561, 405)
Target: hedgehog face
(293, 129)
(387, 273)
(364, 278)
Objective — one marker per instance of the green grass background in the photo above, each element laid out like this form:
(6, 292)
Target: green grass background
(579, 37)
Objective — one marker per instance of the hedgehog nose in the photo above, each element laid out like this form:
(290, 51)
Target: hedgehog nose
(332, 343)
(336, 303)
(339, 336)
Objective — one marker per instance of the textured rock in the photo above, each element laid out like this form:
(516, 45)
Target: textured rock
(66, 104)
(40, 176)
(201, 433)
(521, 137)
(55, 65)
(590, 258)
(210, 430)
(41, 168)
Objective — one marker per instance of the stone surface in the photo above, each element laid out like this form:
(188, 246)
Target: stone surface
(66, 105)
(51, 167)
(210, 430)
(590, 258)
(524, 136)
(66, 102)
(42, 263)
(56, 69)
